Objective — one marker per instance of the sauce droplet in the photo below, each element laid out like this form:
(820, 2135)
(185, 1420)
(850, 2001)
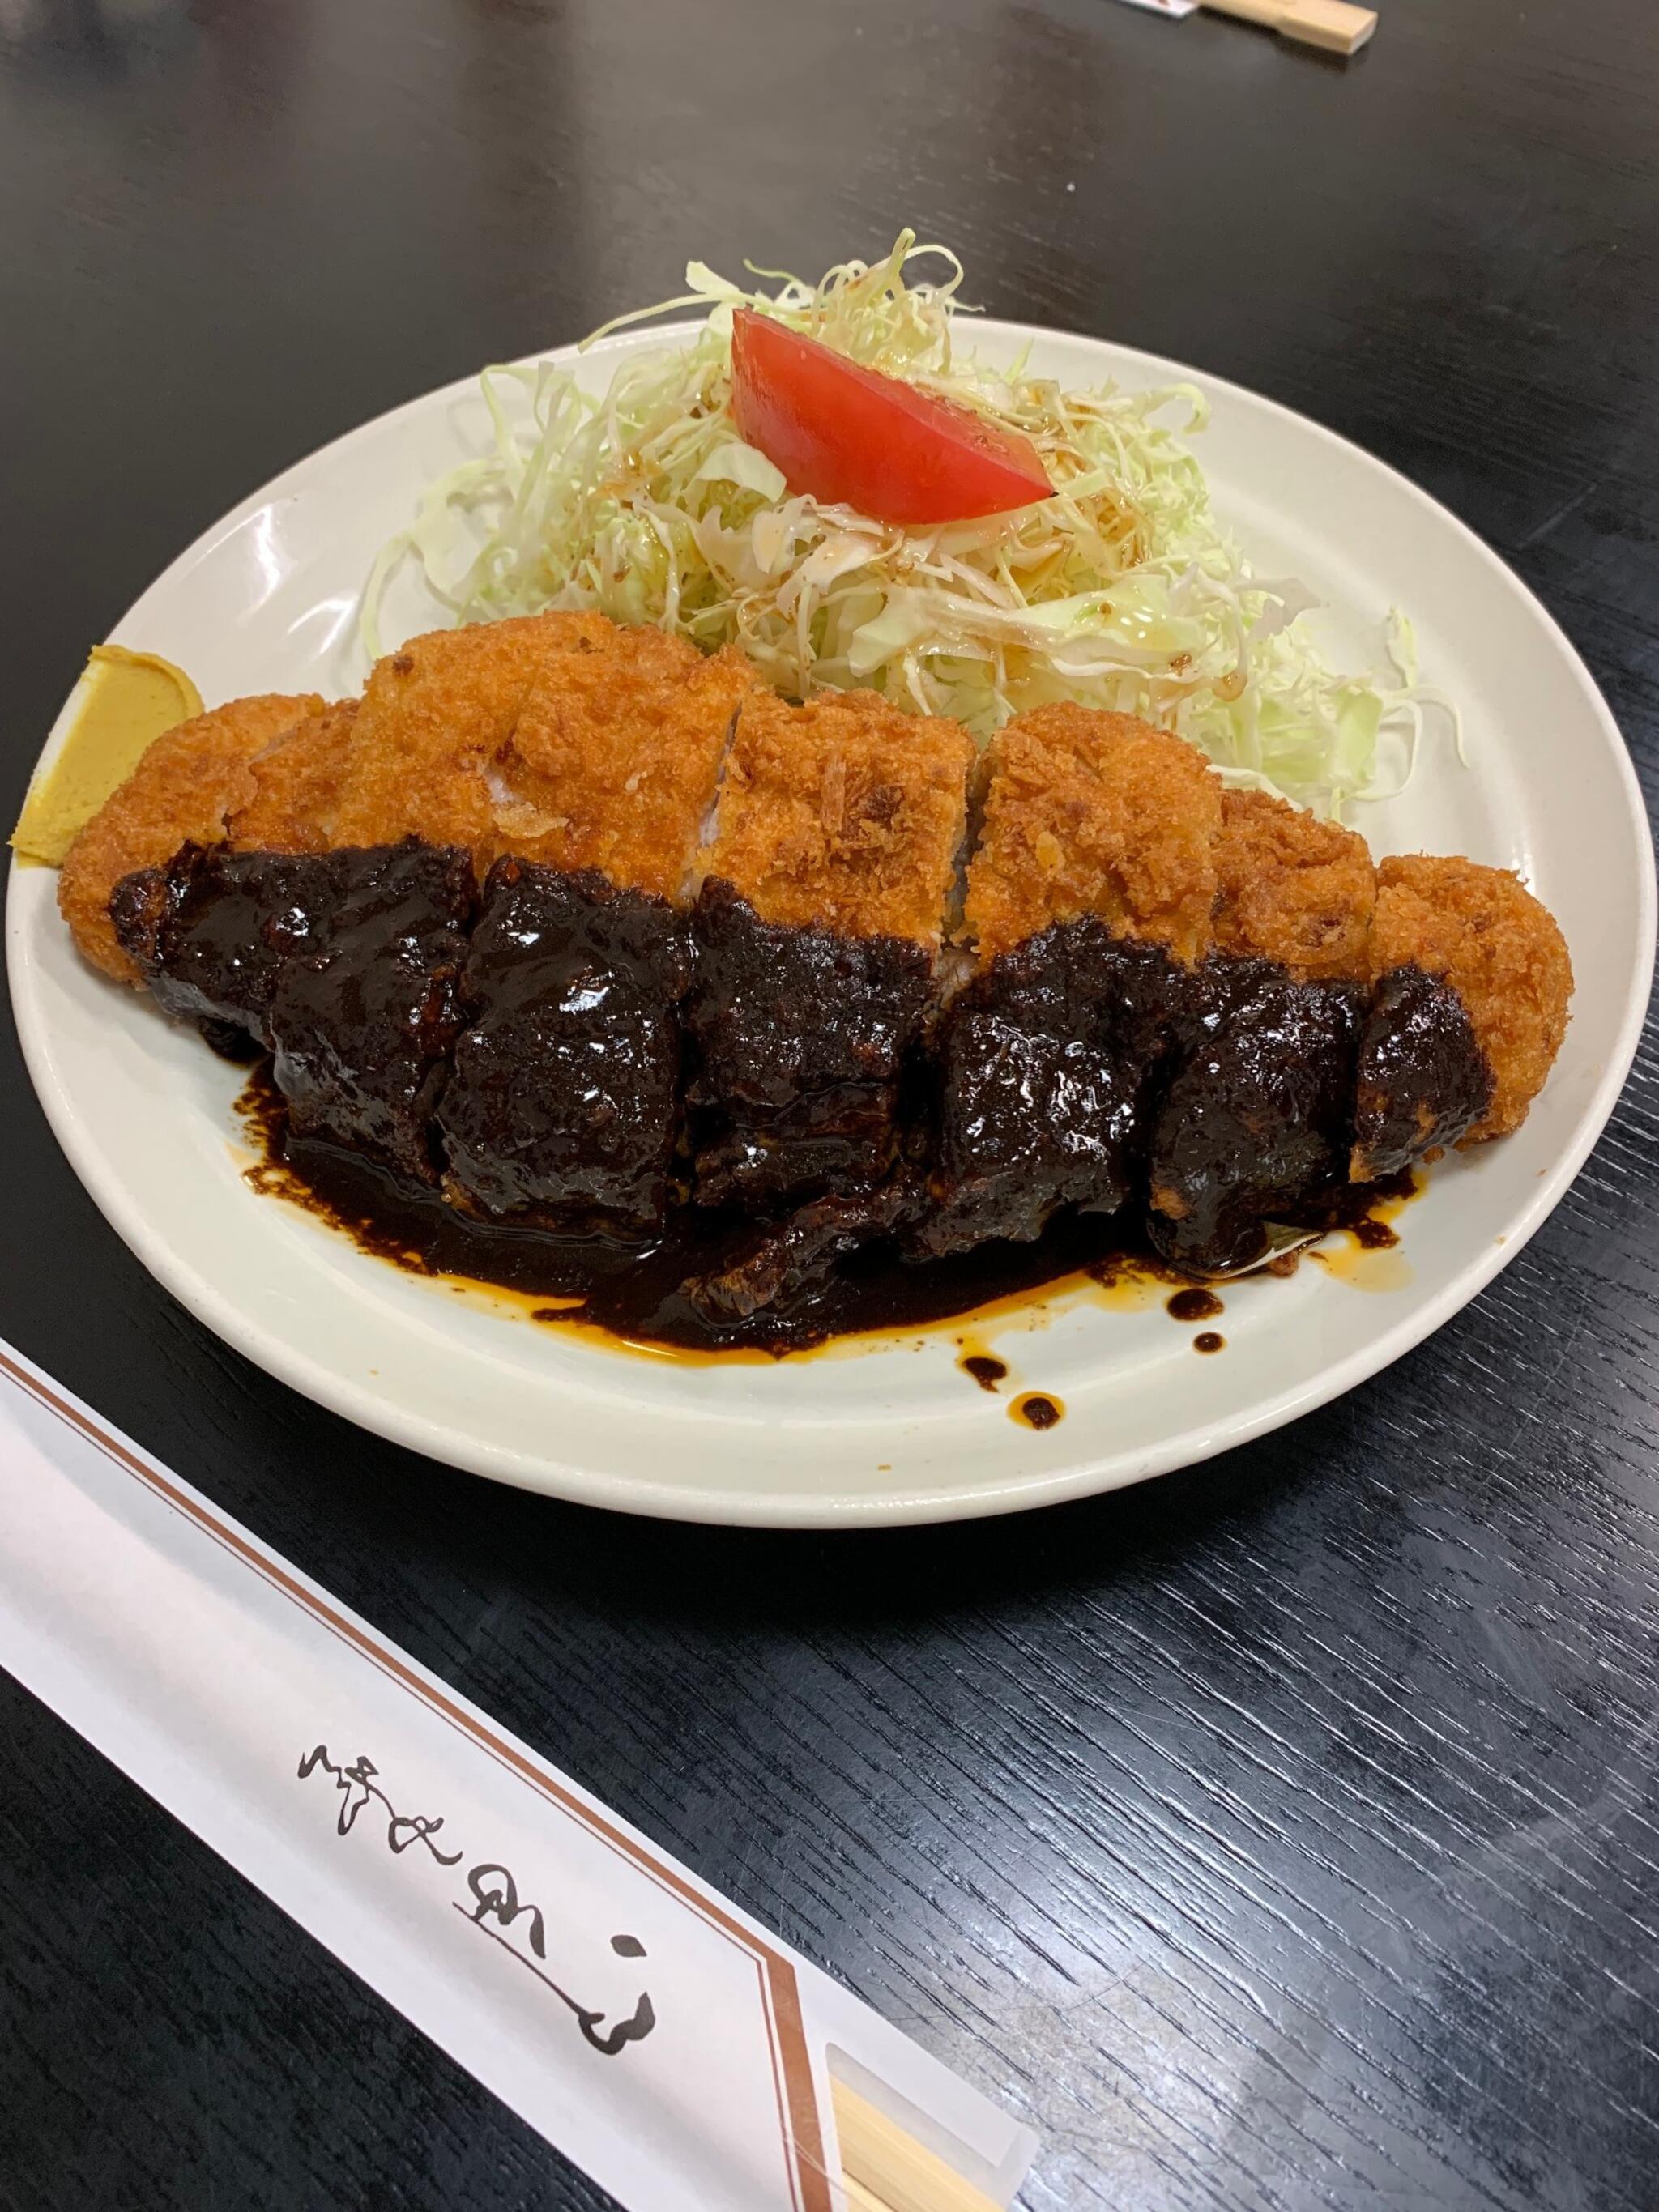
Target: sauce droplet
(1209, 1342)
(1037, 1411)
(986, 1371)
(1195, 1304)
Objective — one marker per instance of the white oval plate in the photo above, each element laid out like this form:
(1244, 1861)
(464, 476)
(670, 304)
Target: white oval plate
(268, 600)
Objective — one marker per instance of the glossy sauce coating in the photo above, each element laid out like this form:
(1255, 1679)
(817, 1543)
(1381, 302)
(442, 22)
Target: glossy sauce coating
(781, 1107)
(632, 1292)
(591, 1063)
(562, 1102)
(1422, 1079)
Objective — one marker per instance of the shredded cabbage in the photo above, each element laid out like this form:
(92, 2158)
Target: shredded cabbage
(1120, 592)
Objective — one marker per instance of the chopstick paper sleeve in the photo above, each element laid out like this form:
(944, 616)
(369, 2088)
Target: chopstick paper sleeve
(665, 2041)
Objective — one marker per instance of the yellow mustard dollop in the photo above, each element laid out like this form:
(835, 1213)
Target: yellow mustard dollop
(126, 701)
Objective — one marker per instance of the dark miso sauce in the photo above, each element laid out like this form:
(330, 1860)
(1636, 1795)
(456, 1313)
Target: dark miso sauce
(1037, 1410)
(1194, 1303)
(1209, 1342)
(986, 1371)
(632, 1291)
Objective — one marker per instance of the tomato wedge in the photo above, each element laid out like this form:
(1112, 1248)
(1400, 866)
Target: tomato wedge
(846, 433)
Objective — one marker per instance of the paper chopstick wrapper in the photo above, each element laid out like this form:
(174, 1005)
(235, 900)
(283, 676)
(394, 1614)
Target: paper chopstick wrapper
(660, 2038)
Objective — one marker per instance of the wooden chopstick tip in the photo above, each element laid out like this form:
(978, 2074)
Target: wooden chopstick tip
(1334, 26)
(884, 2169)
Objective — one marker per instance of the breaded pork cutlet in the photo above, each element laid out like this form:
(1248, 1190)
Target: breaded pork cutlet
(180, 791)
(1088, 898)
(1098, 814)
(613, 761)
(1204, 1006)
(434, 717)
(297, 784)
(1482, 931)
(563, 1102)
(818, 928)
(1291, 888)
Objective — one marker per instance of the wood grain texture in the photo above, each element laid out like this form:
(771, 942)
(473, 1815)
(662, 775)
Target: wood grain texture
(1283, 1835)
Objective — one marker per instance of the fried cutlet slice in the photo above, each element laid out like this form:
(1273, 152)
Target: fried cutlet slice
(434, 716)
(843, 814)
(1255, 1119)
(1094, 813)
(212, 931)
(614, 760)
(818, 928)
(1291, 889)
(1499, 949)
(1043, 1059)
(297, 784)
(180, 791)
(563, 1101)
(362, 1020)
(802, 1038)
(1421, 1082)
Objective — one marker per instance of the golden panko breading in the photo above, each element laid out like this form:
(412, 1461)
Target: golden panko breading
(1093, 813)
(843, 814)
(1501, 951)
(616, 756)
(434, 716)
(1291, 888)
(183, 789)
(296, 786)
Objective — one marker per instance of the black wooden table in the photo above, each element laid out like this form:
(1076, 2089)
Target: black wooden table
(1282, 1834)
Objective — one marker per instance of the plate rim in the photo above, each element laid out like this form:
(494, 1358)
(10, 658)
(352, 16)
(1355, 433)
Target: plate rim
(707, 1503)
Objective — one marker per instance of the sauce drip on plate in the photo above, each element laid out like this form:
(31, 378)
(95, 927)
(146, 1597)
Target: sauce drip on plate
(629, 1293)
